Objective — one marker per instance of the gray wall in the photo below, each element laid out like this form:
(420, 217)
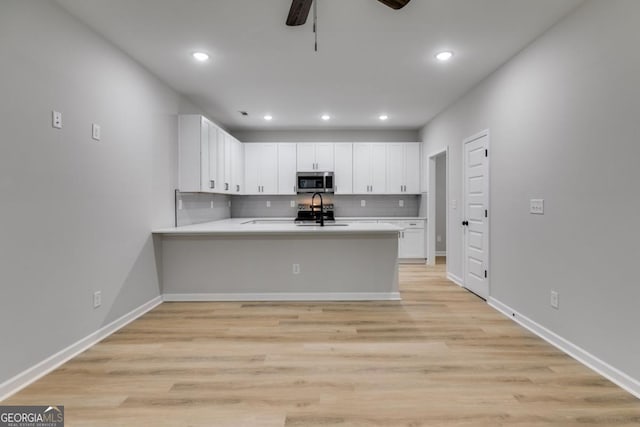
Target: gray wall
(203, 207)
(375, 135)
(345, 206)
(441, 203)
(76, 214)
(563, 117)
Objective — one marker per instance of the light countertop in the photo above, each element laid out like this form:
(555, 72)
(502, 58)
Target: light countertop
(246, 226)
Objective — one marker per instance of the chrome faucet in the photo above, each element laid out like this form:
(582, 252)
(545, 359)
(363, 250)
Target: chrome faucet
(321, 219)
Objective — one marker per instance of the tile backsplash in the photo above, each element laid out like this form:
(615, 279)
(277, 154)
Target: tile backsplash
(345, 206)
(202, 207)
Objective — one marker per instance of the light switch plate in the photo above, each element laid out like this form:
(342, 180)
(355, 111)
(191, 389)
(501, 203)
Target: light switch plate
(536, 206)
(454, 204)
(56, 119)
(293, 203)
(95, 132)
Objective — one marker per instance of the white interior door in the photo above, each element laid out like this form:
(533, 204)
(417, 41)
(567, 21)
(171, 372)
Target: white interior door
(475, 222)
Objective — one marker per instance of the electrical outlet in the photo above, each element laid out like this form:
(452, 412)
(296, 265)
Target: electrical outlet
(56, 119)
(401, 203)
(268, 203)
(439, 238)
(212, 204)
(95, 132)
(229, 203)
(293, 203)
(97, 299)
(555, 300)
(363, 203)
(536, 206)
(296, 268)
(179, 204)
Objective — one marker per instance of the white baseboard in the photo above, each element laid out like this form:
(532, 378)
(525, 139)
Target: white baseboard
(412, 260)
(441, 253)
(295, 296)
(23, 379)
(455, 279)
(616, 376)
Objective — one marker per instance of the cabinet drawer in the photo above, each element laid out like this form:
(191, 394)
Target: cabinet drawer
(405, 224)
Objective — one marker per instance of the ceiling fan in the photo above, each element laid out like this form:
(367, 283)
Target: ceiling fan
(300, 10)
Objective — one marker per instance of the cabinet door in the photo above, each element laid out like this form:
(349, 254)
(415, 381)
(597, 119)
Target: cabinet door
(395, 168)
(361, 168)
(343, 170)
(412, 168)
(252, 161)
(411, 245)
(269, 168)
(205, 185)
(286, 168)
(237, 167)
(379, 168)
(306, 157)
(213, 183)
(324, 156)
(228, 144)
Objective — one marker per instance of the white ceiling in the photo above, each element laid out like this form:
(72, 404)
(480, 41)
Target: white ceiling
(371, 59)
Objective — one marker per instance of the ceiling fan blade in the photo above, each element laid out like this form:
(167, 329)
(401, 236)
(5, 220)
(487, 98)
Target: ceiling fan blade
(395, 4)
(298, 12)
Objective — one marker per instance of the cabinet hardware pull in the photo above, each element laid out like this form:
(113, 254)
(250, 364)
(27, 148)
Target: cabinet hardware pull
(212, 184)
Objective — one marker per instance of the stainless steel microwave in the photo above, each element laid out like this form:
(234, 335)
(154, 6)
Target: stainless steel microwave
(314, 182)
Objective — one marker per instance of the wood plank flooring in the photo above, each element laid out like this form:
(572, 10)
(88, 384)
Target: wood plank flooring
(440, 357)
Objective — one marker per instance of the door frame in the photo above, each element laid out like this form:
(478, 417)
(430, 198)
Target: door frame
(431, 204)
(472, 138)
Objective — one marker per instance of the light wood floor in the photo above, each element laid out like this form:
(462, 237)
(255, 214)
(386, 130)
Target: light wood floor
(441, 357)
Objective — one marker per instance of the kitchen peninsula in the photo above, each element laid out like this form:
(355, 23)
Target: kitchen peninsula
(243, 259)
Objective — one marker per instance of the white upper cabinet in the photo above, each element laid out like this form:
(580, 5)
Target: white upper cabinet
(315, 157)
(286, 168)
(261, 168)
(198, 154)
(403, 168)
(369, 168)
(237, 167)
(343, 168)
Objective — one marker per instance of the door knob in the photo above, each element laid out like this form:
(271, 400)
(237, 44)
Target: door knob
(465, 223)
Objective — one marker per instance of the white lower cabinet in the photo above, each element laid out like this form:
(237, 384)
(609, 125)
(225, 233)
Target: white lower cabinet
(410, 239)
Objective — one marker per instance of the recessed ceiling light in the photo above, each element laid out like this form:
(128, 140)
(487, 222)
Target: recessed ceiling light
(444, 56)
(268, 117)
(383, 117)
(325, 117)
(200, 56)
